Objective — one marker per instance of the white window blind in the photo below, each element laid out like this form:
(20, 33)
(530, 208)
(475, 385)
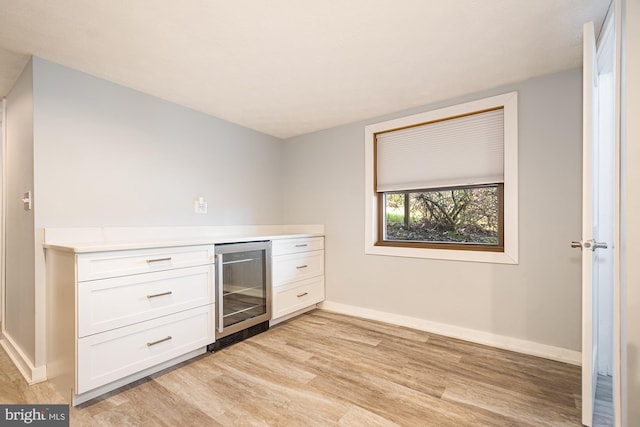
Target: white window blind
(467, 150)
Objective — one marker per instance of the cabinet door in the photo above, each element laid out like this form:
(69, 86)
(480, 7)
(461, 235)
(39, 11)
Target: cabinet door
(292, 246)
(112, 303)
(94, 266)
(243, 285)
(109, 356)
(298, 295)
(294, 267)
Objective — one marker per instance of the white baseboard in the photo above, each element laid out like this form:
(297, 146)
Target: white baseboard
(479, 337)
(32, 374)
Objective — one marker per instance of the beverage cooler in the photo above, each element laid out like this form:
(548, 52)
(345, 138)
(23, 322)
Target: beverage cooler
(243, 291)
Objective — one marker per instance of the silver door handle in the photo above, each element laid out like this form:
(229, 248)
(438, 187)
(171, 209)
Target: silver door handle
(581, 244)
(599, 245)
(589, 244)
(152, 343)
(159, 295)
(149, 261)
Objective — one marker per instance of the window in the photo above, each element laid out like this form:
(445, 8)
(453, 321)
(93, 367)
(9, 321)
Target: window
(465, 218)
(443, 184)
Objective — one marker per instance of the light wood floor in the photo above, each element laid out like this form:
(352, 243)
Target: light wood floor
(324, 369)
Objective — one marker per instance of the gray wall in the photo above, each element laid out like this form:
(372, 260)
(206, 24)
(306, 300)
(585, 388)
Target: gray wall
(537, 300)
(106, 155)
(98, 154)
(20, 290)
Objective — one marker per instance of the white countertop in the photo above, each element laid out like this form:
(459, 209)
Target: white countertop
(84, 240)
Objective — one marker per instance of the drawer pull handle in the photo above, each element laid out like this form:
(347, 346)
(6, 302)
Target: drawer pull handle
(304, 245)
(158, 260)
(302, 266)
(159, 295)
(151, 344)
(303, 294)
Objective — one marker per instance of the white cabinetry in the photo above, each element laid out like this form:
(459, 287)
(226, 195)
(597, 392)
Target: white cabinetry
(114, 317)
(298, 275)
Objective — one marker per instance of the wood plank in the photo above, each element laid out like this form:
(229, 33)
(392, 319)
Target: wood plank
(323, 369)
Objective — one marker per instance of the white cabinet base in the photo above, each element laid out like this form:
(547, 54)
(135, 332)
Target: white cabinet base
(106, 357)
(77, 399)
(297, 295)
(297, 277)
(137, 312)
(292, 315)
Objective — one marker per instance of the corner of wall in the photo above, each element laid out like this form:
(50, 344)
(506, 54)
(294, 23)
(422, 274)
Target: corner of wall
(32, 374)
(19, 330)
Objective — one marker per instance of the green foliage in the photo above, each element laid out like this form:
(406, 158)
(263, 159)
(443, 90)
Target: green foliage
(394, 218)
(457, 215)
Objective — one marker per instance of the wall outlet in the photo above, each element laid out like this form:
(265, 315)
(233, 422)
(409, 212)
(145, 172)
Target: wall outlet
(200, 205)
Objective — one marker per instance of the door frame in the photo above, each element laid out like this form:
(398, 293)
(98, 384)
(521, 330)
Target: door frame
(589, 121)
(616, 9)
(3, 204)
(613, 23)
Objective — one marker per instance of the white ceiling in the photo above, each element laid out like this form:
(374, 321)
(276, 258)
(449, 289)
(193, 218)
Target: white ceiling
(289, 67)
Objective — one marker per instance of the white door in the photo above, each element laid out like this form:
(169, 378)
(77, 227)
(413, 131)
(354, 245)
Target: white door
(598, 215)
(589, 243)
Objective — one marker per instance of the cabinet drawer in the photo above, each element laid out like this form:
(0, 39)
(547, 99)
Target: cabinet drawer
(299, 295)
(291, 246)
(294, 267)
(109, 356)
(111, 303)
(122, 263)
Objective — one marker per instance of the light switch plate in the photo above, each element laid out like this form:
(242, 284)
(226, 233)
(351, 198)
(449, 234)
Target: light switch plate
(26, 200)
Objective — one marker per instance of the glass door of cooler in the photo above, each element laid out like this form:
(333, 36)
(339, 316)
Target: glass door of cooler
(243, 286)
